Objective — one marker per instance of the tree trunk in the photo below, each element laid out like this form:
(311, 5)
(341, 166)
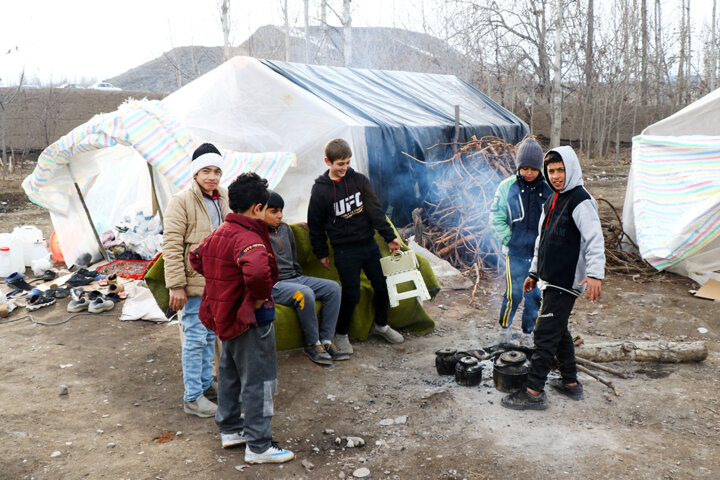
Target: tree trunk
(643, 53)
(347, 32)
(287, 31)
(659, 352)
(225, 23)
(713, 49)
(324, 26)
(555, 126)
(307, 31)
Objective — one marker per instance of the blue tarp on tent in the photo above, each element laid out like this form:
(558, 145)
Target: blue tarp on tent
(405, 112)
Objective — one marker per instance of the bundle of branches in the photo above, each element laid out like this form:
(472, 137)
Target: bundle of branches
(454, 223)
(618, 258)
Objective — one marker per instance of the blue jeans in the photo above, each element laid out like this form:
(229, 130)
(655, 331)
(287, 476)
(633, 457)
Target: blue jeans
(310, 289)
(198, 351)
(516, 271)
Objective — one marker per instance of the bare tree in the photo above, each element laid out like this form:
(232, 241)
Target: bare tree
(347, 31)
(556, 123)
(225, 23)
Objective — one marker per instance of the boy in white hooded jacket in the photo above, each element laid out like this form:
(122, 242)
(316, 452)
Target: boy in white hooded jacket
(569, 258)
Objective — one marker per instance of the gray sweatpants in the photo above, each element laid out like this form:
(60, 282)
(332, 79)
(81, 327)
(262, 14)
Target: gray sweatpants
(310, 289)
(247, 382)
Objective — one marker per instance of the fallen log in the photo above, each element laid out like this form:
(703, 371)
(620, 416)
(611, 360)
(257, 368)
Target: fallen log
(658, 352)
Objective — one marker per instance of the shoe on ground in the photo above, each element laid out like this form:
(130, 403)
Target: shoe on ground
(60, 292)
(39, 301)
(274, 454)
(505, 336)
(527, 340)
(318, 354)
(574, 392)
(17, 280)
(230, 440)
(524, 400)
(200, 407)
(78, 305)
(77, 293)
(386, 332)
(48, 275)
(342, 342)
(212, 392)
(100, 304)
(335, 353)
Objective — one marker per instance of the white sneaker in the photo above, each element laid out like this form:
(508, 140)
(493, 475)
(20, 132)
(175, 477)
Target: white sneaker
(201, 407)
(230, 440)
(342, 342)
(100, 304)
(505, 335)
(274, 454)
(386, 332)
(527, 340)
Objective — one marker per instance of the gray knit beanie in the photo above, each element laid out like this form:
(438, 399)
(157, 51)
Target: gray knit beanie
(529, 154)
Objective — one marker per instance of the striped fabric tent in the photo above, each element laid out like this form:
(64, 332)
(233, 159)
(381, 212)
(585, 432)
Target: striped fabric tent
(672, 202)
(107, 164)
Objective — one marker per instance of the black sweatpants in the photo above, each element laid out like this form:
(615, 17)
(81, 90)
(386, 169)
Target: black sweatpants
(552, 338)
(349, 260)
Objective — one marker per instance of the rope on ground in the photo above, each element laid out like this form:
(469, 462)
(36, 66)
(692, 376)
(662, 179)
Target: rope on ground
(47, 324)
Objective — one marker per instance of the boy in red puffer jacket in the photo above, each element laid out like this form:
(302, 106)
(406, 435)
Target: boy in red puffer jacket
(239, 267)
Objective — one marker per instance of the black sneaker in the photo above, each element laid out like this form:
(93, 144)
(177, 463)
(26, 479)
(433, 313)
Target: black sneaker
(17, 280)
(574, 392)
(39, 301)
(334, 353)
(524, 400)
(318, 354)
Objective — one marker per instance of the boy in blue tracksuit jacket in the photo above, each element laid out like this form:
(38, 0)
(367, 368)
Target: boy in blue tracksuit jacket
(514, 217)
(569, 258)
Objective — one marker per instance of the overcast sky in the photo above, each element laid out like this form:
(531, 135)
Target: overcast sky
(57, 41)
(83, 40)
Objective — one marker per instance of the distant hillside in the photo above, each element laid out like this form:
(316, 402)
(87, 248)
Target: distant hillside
(373, 47)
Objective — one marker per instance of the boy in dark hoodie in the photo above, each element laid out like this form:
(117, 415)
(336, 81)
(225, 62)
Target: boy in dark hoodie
(514, 218)
(343, 207)
(569, 257)
(300, 291)
(239, 267)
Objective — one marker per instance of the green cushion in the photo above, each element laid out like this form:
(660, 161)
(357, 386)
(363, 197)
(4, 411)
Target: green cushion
(408, 315)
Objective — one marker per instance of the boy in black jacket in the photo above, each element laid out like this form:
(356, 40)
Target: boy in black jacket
(343, 207)
(569, 258)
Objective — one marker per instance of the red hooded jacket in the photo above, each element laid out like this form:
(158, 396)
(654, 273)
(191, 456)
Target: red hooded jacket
(239, 267)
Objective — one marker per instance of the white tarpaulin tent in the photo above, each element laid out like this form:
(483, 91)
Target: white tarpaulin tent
(249, 105)
(672, 201)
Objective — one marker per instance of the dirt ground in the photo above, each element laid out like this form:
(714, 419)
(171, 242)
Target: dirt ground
(122, 417)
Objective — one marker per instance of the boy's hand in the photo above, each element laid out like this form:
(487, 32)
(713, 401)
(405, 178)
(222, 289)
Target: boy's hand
(394, 246)
(325, 262)
(259, 303)
(594, 288)
(178, 299)
(529, 285)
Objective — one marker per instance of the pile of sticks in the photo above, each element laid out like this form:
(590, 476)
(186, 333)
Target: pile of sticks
(454, 222)
(617, 259)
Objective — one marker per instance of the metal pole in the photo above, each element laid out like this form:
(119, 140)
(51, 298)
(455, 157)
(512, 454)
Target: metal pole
(103, 252)
(156, 203)
(456, 137)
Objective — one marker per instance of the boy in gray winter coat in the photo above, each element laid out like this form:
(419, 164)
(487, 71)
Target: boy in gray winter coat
(569, 257)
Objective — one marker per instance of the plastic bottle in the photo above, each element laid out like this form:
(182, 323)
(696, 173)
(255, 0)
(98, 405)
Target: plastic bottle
(27, 236)
(16, 251)
(6, 266)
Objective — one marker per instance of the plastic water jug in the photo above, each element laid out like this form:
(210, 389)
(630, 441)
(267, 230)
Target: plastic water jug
(6, 266)
(17, 261)
(27, 235)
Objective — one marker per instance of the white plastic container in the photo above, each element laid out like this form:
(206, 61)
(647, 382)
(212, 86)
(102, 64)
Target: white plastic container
(16, 252)
(6, 266)
(27, 236)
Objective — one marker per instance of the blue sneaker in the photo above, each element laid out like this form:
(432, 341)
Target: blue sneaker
(274, 454)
